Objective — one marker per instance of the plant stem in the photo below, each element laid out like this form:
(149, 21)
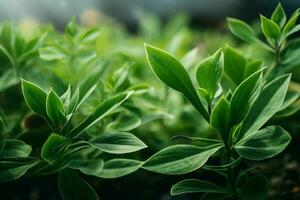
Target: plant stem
(230, 174)
(276, 60)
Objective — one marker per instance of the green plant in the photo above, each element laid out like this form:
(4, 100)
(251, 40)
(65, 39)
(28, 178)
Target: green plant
(17, 53)
(238, 118)
(277, 32)
(68, 147)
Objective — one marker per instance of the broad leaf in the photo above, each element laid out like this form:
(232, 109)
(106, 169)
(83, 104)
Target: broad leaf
(169, 70)
(15, 148)
(35, 98)
(12, 170)
(234, 64)
(291, 23)
(195, 186)
(269, 28)
(244, 96)
(180, 159)
(55, 109)
(117, 143)
(118, 167)
(89, 167)
(266, 105)
(54, 147)
(209, 73)
(279, 16)
(220, 115)
(241, 29)
(72, 187)
(264, 143)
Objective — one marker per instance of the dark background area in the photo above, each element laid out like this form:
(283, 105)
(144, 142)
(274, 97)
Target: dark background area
(201, 12)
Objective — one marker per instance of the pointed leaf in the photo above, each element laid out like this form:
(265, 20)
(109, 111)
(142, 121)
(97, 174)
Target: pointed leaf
(234, 64)
(35, 98)
(195, 186)
(220, 115)
(119, 167)
(241, 29)
(291, 23)
(244, 96)
(101, 111)
(266, 105)
(279, 16)
(55, 109)
(209, 73)
(118, 143)
(264, 143)
(269, 28)
(180, 159)
(169, 70)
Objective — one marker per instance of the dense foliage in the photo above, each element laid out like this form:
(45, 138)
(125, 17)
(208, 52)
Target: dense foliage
(84, 103)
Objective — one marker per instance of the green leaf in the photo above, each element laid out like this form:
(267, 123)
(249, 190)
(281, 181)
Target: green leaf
(118, 143)
(179, 159)
(119, 167)
(51, 53)
(291, 23)
(101, 111)
(195, 186)
(252, 67)
(53, 149)
(264, 143)
(88, 85)
(209, 73)
(169, 70)
(55, 109)
(12, 170)
(73, 102)
(244, 96)
(126, 124)
(71, 28)
(35, 98)
(266, 105)
(290, 98)
(241, 30)
(220, 115)
(279, 16)
(90, 35)
(8, 79)
(256, 188)
(234, 64)
(269, 28)
(89, 167)
(15, 148)
(72, 187)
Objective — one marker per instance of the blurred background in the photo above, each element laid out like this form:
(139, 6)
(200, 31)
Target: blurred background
(201, 12)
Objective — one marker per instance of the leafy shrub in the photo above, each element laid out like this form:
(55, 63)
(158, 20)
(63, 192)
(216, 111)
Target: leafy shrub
(77, 102)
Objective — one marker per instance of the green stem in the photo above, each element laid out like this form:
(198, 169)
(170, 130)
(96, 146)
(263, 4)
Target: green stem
(276, 60)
